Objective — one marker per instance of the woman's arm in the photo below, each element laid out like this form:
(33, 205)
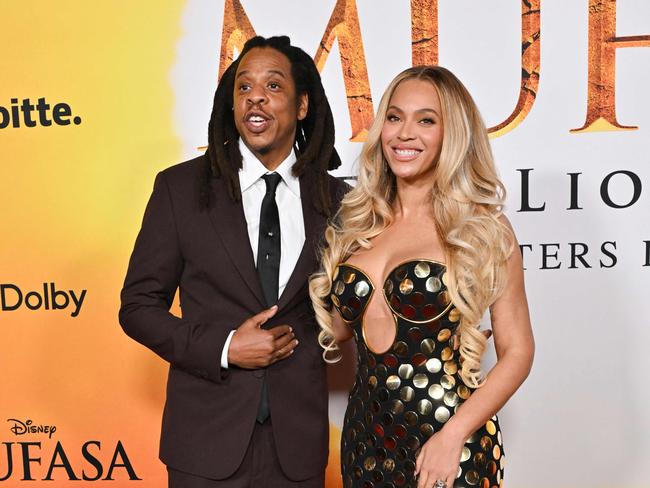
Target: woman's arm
(513, 339)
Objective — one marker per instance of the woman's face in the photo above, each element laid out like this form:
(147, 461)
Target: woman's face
(411, 137)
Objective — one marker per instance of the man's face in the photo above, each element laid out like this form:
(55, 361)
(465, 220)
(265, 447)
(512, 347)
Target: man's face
(266, 108)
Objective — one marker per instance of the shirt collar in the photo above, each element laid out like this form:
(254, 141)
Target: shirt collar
(252, 170)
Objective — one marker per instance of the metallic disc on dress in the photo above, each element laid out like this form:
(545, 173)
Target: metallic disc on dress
(381, 454)
(447, 382)
(443, 298)
(354, 303)
(390, 443)
(417, 299)
(389, 465)
(336, 273)
(411, 418)
(396, 406)
(407, 394)
(430, 311)
(418, 360)
(444, 279)
(377, 476)
(463, 392)
(378, 429)
(349, 276)
(465, 454)
(433, 284)
(382, 371)
(382, 394)
(372, 360)
(454, 315)
(499, 438)
(335, 300)
(409, 465)
(395, 302)
(409, 311)
(399, 478)
(471, 477)
(387, 419)
(422, 269)
(427, 346)
(393, 382)
(400, 431)
(490, 427)
(433, 365)
(400, 273)
(347, 313)
(479, 460)
(446, 354)
(375, 406)
(406, 286)
(496, 452)
(390, 360)
(361, 289)
(444, 335)
(436, 391)
(357, 472)
(485, 483)
(405, 371)
(424, 407)
(388, 287)
(442, 414)
(415, 334)
(369, 463)
(400, 348)
(451, 399)
(361, 449)
(372, 382)
(426, 430)
(349, 458)
(413, 443)
(451, 367)
(492, 468)
(420, 380)
(486, 443)
(367, 416)
(339, 287)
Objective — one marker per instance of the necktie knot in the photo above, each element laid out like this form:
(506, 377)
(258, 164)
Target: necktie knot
(272, 181)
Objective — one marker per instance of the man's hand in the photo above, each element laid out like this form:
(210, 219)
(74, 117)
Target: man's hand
(252, 347)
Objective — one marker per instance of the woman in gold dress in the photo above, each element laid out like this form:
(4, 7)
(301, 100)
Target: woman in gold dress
(417, 253)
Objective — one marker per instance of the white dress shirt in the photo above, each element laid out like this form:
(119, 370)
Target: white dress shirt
(292, 227)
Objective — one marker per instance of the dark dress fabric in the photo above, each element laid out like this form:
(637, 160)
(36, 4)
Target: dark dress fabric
(404, 395)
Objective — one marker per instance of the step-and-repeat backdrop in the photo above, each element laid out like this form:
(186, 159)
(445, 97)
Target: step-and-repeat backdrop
(96, 97)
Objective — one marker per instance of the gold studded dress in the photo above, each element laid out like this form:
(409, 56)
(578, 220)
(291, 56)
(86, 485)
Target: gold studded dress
(404, 395)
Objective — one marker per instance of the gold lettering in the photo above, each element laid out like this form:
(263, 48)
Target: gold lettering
(344, 25)
(530, 62)
(237, 29)
(601, 88)
(424, 32)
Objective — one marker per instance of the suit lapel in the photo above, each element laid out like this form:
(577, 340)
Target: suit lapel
(314, 226)
(228, 220)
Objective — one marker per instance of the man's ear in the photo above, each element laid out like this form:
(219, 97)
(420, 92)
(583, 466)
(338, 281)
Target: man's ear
(303, 106)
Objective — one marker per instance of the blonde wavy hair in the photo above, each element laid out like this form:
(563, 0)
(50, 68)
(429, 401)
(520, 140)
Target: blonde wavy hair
(467, 201)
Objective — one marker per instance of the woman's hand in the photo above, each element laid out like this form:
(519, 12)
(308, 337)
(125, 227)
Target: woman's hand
(439, 459)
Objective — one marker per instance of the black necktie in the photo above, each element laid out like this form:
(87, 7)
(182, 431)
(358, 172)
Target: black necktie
(268, 263)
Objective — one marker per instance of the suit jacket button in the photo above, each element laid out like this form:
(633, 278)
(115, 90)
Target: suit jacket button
(259, 373)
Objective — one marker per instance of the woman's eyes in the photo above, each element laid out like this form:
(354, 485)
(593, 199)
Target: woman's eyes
(424, 121)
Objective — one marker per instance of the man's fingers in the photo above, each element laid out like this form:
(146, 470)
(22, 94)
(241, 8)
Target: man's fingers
(263, 316)
(286, 351)
(280, 330)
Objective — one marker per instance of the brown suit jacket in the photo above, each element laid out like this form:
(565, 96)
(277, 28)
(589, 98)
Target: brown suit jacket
(210, 413)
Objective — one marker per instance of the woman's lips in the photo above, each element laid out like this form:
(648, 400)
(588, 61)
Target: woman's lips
(405, 154)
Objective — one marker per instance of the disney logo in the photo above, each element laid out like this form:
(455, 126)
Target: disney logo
(28, 427)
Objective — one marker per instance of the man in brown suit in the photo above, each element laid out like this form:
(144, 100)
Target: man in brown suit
(237, 231)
